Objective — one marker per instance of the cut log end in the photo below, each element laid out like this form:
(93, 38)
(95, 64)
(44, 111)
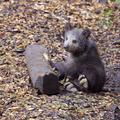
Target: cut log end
(41, 74)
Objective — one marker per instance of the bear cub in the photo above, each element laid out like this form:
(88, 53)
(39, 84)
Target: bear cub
(83, 66)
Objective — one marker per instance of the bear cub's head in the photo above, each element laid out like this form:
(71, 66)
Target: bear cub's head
(76, 40)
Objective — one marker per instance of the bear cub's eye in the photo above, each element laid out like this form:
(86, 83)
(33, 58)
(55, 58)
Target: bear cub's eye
(74, 41)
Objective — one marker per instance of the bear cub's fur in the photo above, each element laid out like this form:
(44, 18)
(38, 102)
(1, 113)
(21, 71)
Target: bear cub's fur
(84, 60)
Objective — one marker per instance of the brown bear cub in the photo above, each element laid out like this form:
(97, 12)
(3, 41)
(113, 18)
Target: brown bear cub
(83, 61)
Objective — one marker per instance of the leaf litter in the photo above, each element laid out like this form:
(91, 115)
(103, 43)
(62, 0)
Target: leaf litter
(24, 22)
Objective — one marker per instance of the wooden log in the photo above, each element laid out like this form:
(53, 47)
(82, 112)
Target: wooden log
(41, 74)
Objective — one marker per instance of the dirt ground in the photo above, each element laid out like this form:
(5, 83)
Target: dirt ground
(24, 22)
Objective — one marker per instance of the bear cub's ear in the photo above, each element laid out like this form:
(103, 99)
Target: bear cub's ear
(68, 26)
(86, 32)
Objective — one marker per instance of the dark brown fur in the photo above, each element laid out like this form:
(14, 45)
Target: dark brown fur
(84, 60)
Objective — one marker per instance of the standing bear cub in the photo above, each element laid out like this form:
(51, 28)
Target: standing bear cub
(84, 60)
